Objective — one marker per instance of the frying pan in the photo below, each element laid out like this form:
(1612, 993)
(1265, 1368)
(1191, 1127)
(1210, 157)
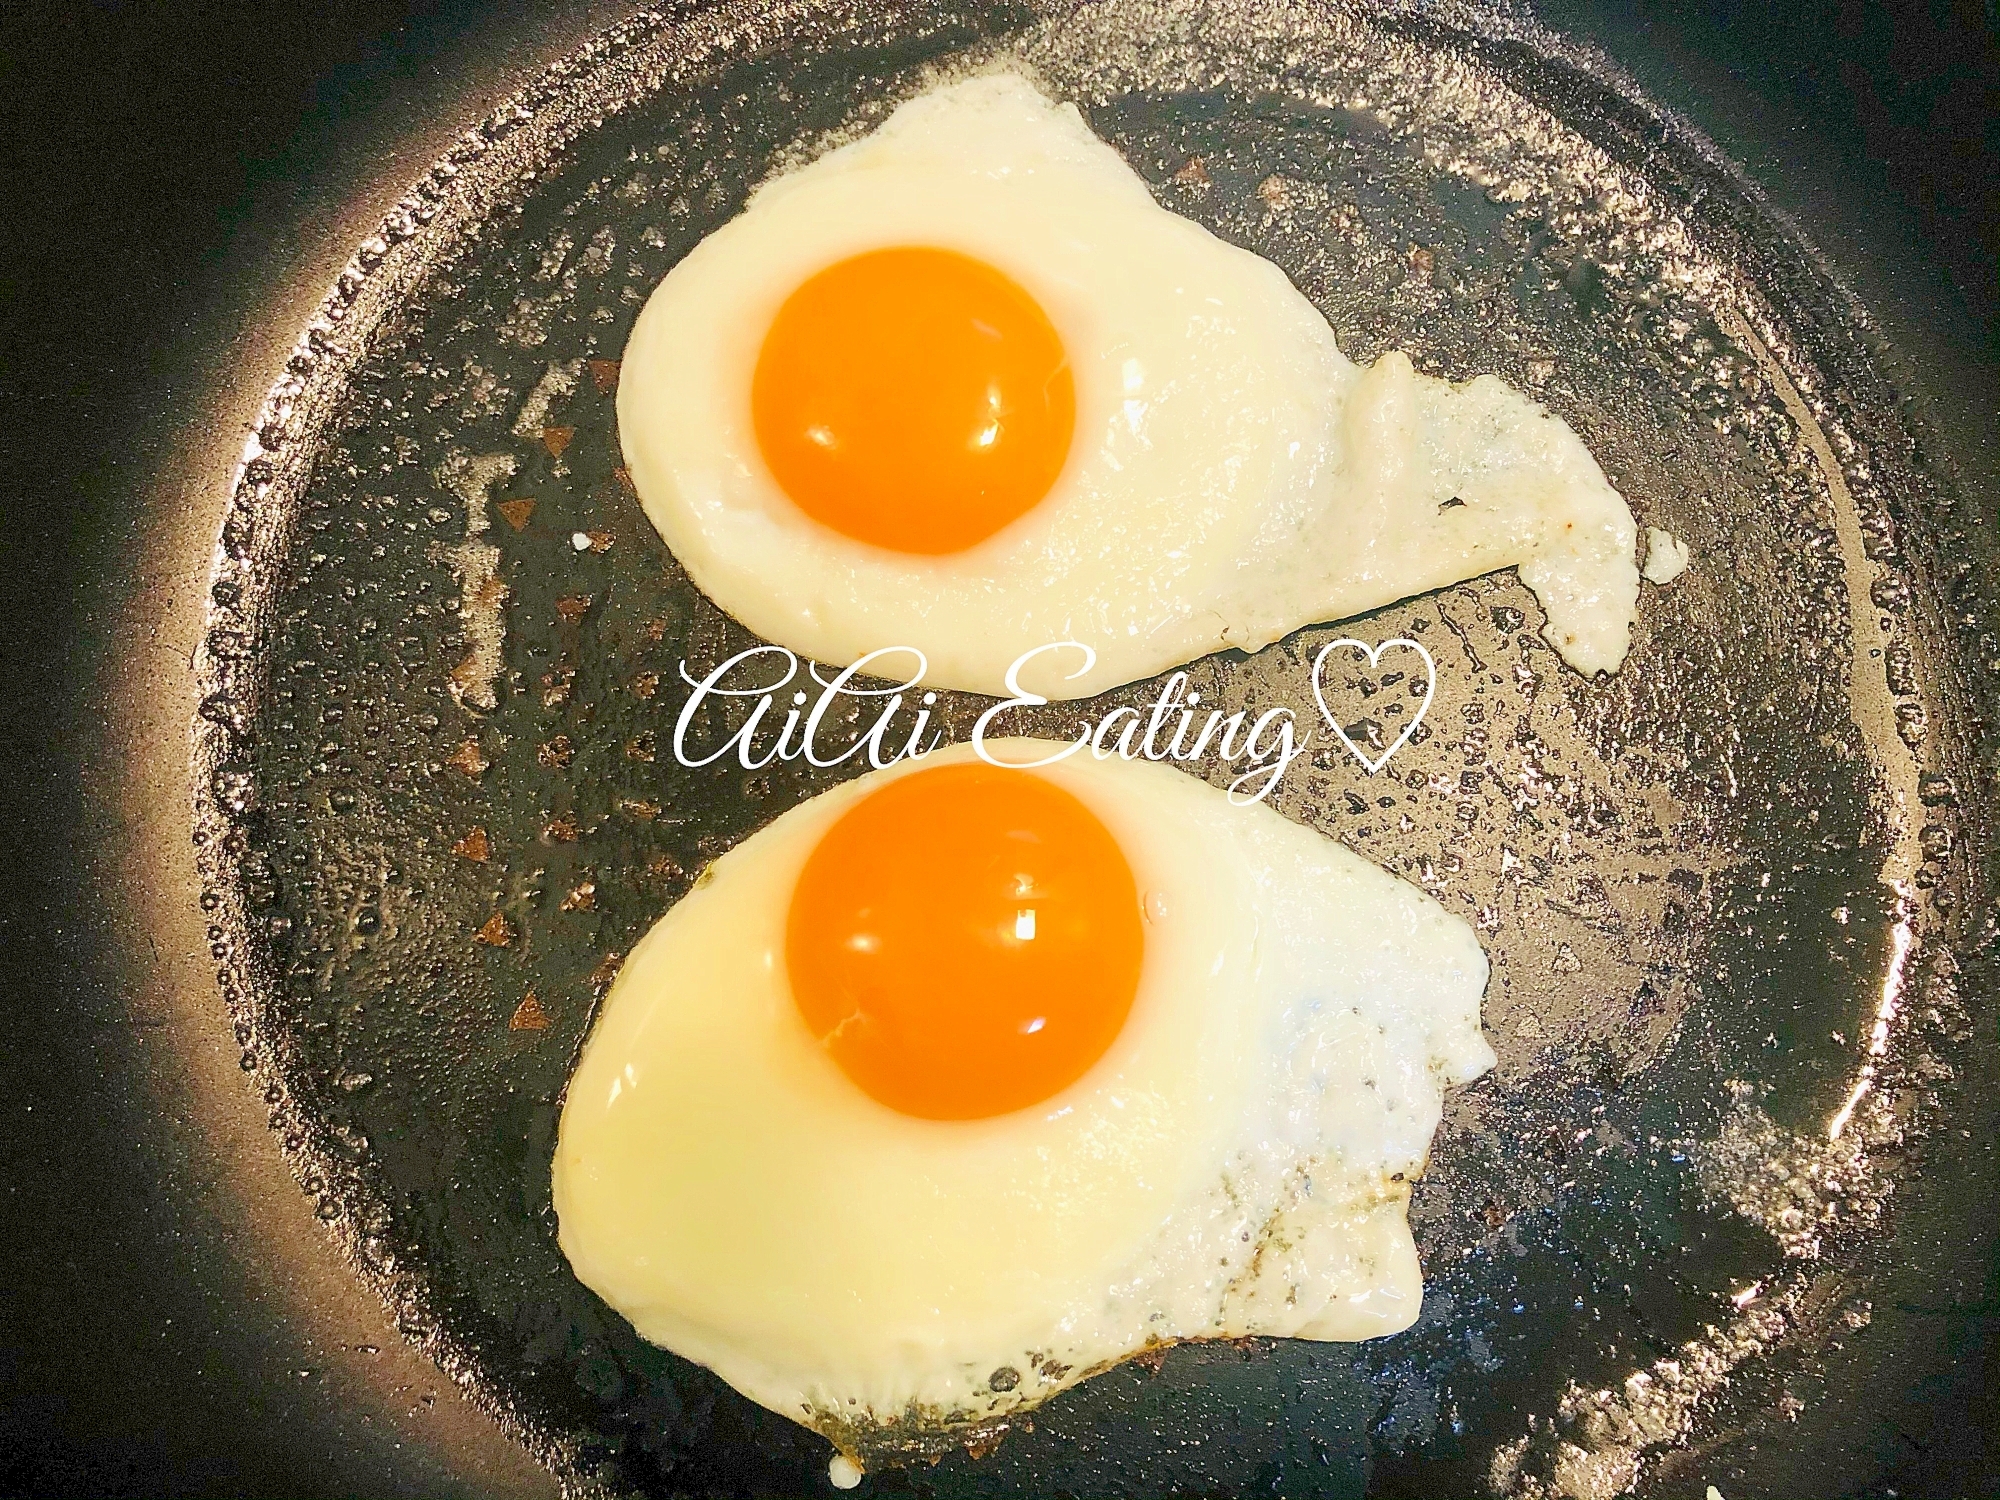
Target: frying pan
(1690, 959)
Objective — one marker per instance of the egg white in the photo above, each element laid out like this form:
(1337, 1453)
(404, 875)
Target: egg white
(1238, 1163)
(1232, 477)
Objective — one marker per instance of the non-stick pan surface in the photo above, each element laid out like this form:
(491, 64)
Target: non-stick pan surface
(1727, 894)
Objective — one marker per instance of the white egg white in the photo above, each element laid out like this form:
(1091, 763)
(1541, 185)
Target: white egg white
(1232, 477)
(1238, 1163)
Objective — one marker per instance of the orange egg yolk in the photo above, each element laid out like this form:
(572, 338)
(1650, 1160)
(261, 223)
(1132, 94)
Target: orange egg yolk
(965, 941)
(914, 398)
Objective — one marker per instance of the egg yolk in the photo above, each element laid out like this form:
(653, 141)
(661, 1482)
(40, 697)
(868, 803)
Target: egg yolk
(913, 398)
(965, 941)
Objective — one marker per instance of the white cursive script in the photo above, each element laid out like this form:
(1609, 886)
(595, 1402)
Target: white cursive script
(845, 720)
(1161, 730)
(799, 736)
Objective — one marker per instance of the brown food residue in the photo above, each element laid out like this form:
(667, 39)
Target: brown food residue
(573, 607)
(1193, 173)
(475, 846)
(472, 678)
(556, 753)
(529, 1015)
(624, 477)
(1151, 1358)
(468, 758)
(497, 933)
(561, 830)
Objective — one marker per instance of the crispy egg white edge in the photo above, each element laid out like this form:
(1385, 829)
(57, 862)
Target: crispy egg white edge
(1273, 1200)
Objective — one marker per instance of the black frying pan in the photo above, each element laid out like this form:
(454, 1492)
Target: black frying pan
(1684, 977)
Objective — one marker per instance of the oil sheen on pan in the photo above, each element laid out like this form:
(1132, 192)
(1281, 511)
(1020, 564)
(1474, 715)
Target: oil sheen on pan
(1718, 892)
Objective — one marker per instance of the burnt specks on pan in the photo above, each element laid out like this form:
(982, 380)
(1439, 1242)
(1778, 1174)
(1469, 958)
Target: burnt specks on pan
(468, 759)
(529, 1015)
(1705, 834)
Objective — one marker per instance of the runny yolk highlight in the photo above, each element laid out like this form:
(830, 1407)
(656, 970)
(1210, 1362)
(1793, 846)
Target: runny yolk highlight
(914, 398)
(965, 941)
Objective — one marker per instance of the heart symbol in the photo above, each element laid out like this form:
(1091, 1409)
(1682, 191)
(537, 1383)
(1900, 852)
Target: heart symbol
(1374, 655)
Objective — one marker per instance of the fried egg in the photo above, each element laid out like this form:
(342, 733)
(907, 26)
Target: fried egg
(959, 1083)
(962, 385)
